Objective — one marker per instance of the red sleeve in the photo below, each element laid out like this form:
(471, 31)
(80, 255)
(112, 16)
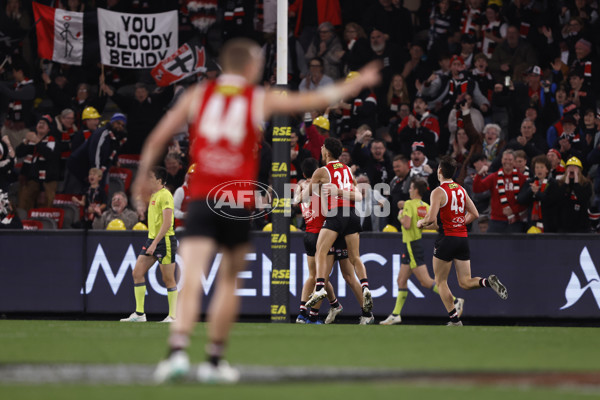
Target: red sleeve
(481, 185)
(403, 124)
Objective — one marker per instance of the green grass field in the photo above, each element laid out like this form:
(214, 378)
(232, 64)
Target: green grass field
(408, 347)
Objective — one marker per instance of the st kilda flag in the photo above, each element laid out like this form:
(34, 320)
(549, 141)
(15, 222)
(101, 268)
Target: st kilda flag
(188, 60)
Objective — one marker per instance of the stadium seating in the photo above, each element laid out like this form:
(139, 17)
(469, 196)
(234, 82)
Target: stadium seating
(52, 218)
(32, 225)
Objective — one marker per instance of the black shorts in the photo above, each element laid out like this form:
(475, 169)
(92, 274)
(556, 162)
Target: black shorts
(165, 250)
(413, 254)
(450, 248)
(338, 249)
(344, 225)
(229, 231)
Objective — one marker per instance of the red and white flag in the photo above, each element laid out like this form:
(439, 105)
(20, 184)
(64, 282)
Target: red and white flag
(59, 34)
(186, 61)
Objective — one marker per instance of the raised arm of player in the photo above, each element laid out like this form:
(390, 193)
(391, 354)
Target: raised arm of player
(291, 102)
(430, 220)
(472, 213)
(157, 142)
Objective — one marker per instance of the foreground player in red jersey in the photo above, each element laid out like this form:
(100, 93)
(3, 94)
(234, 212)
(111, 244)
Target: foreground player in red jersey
(456, 211)
(224, 116)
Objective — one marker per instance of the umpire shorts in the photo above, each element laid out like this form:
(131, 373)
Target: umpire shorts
(448, 248)
(413, 254)
(165, 250)
(230, 232)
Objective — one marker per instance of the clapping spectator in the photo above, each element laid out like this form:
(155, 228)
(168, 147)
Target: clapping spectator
(419, 126)
(328, 47)
(540, 194)
(316, 77)
(118, 210)
(94, 199)
(575, 191)
(506, 214)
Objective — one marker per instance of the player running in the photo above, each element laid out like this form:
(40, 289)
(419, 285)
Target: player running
(224, 117)
(456, 211)
(336, 182)
(413, 254)
(314, 218)
(161, 245)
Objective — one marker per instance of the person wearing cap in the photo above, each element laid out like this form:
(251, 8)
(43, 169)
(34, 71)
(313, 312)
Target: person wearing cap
(506, 215)
(90, 119)
(101, 151)
(540, 194)
(118, 210)
(569, 143)
(419, 126)
(143, 110)
(41, 164)
(327, 46)
(575, 193)
(557, 167)
(569, 111)
(316, 133)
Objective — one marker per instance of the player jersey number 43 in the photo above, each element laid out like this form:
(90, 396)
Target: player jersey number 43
(452, 214)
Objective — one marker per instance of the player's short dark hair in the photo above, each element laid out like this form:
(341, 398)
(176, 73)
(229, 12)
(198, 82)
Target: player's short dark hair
(334, 146)
(309, 166)
(421, 186)
(160, 173)
(448, 167)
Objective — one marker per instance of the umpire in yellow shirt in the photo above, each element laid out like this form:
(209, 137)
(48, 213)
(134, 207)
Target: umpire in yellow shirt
(161, 246)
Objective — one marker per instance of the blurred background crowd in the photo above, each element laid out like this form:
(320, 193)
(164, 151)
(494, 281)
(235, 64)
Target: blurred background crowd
(507, 88)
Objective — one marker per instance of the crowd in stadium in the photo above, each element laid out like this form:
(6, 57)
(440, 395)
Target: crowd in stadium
(507, 88)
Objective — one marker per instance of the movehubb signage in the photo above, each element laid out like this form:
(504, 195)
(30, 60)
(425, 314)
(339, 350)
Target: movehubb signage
(547, 276)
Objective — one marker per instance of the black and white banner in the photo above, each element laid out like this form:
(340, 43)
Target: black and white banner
(136, 40)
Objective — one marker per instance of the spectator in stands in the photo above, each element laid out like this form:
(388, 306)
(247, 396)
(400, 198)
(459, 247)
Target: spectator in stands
(575, 192)
(456, 117)
(297, 65)
(569, 143)
(419, 126)
(492, 144)
(118, 210)
(8, 218)
(369, 209)
(580, 94)
(316, 133)
(467, 143)
(175, 171)
(90, 119)
(41, 164)
(94, 200)
(540, 194)
(569, 111)
(528, 141)
(143, 112)
(181, 198)
(315, 77)
(20, 103)
(442, 19)
(421, 166)
(357, 50)
(297, 155)
(376, 164)
(391, 56)
(101, 150)
(481, 199)
(494, 31)
(399, 187)
(467, 46)
(557, 169)
(584, 61)
(521, 163)
(328, 47)
(589, 130)
(65, 125)
(417, 69)
(392, 17)
(15, 22)
(480, 74)
(389, 108)
(84, 99)
(504, 185)
(7, 163)
(512, 57)
(553, 109)
(356, 112)
(311, 14)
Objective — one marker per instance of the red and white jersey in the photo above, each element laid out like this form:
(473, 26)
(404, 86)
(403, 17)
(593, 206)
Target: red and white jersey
(224, 133)
(451, 219)
(341, 176)
(312, 214)
(184, 204)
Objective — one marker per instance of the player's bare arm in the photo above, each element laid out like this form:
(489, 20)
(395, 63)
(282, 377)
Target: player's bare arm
(292, 102)
(159, 138)
(472, 213)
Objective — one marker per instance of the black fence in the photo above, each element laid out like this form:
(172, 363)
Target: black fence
(548, 276)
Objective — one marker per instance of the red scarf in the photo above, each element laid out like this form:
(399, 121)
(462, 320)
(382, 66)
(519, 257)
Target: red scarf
(536, 212)
(502, 190)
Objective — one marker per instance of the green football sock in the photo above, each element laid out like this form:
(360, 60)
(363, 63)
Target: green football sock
(140, 295)
(400, 301)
